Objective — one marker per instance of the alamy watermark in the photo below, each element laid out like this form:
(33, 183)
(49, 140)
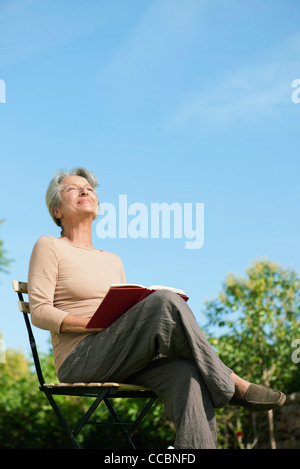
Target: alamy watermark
(296, 354)
(296, 93)
(159, 220)
(2, 91)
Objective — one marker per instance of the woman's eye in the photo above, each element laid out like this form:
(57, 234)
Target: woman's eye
(90, 189)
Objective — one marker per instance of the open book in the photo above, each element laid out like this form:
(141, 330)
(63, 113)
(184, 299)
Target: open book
(120, 298)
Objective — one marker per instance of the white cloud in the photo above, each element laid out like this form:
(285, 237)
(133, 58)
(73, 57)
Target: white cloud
(248, 93)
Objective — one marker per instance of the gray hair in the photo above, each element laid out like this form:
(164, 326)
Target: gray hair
(53, 199)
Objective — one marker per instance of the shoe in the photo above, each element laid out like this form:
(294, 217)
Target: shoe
(260, 398)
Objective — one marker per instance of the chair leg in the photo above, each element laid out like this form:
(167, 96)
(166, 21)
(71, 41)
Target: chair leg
(62, 420)
(116, 418)
(144, 412)
(90, 411)
(128, 434)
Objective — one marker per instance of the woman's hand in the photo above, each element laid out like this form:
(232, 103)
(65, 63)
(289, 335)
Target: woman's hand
(76, 325)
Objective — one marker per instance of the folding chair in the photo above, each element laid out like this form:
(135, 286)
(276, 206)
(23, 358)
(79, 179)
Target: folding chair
(101, 392)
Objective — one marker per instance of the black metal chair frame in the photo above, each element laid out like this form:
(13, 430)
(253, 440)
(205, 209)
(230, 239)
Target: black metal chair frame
(101, 392)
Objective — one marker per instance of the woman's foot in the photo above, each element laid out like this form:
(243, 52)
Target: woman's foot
(241, 386)
(255, 397)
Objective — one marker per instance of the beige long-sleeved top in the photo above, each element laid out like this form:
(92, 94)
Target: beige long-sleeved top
(63, 279)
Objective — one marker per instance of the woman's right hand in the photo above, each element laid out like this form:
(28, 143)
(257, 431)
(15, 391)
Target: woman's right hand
(76, 325)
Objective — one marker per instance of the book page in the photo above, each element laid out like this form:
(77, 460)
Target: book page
(126, 285)
(151, 287)
(162, 287)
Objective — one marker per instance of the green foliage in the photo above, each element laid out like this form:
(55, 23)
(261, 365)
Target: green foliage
(259, 315)
(28, 421)
(4, 262)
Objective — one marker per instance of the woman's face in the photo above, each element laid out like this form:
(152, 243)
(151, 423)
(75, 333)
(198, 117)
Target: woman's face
(78, 199)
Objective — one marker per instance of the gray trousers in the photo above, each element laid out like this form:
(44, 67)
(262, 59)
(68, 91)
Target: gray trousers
(158, 344)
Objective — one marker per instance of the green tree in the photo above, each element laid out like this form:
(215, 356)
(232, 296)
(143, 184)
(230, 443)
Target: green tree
(259, 314)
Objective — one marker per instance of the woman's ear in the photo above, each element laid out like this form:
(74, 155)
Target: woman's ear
(57, 213)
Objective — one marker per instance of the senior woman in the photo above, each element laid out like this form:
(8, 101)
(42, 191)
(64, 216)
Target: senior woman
(157, 343)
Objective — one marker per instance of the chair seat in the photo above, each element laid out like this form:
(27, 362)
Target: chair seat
(120, 386)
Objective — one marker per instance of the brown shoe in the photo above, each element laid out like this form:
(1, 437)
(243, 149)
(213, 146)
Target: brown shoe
(260, 398)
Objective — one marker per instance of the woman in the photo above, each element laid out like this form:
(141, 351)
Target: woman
(157, 343)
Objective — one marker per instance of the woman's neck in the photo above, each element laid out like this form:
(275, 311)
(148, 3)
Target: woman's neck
(80, 235)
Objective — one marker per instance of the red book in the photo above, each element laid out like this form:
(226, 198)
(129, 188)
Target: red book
(119, 299)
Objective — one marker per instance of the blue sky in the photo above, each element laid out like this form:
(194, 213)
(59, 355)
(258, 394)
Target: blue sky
(165, 101)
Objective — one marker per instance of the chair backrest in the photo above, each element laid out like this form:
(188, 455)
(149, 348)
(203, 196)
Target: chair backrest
(21, 288)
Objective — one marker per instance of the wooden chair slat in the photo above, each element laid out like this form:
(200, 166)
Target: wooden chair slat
(20, 287)
(24, 307)
(120, 386)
